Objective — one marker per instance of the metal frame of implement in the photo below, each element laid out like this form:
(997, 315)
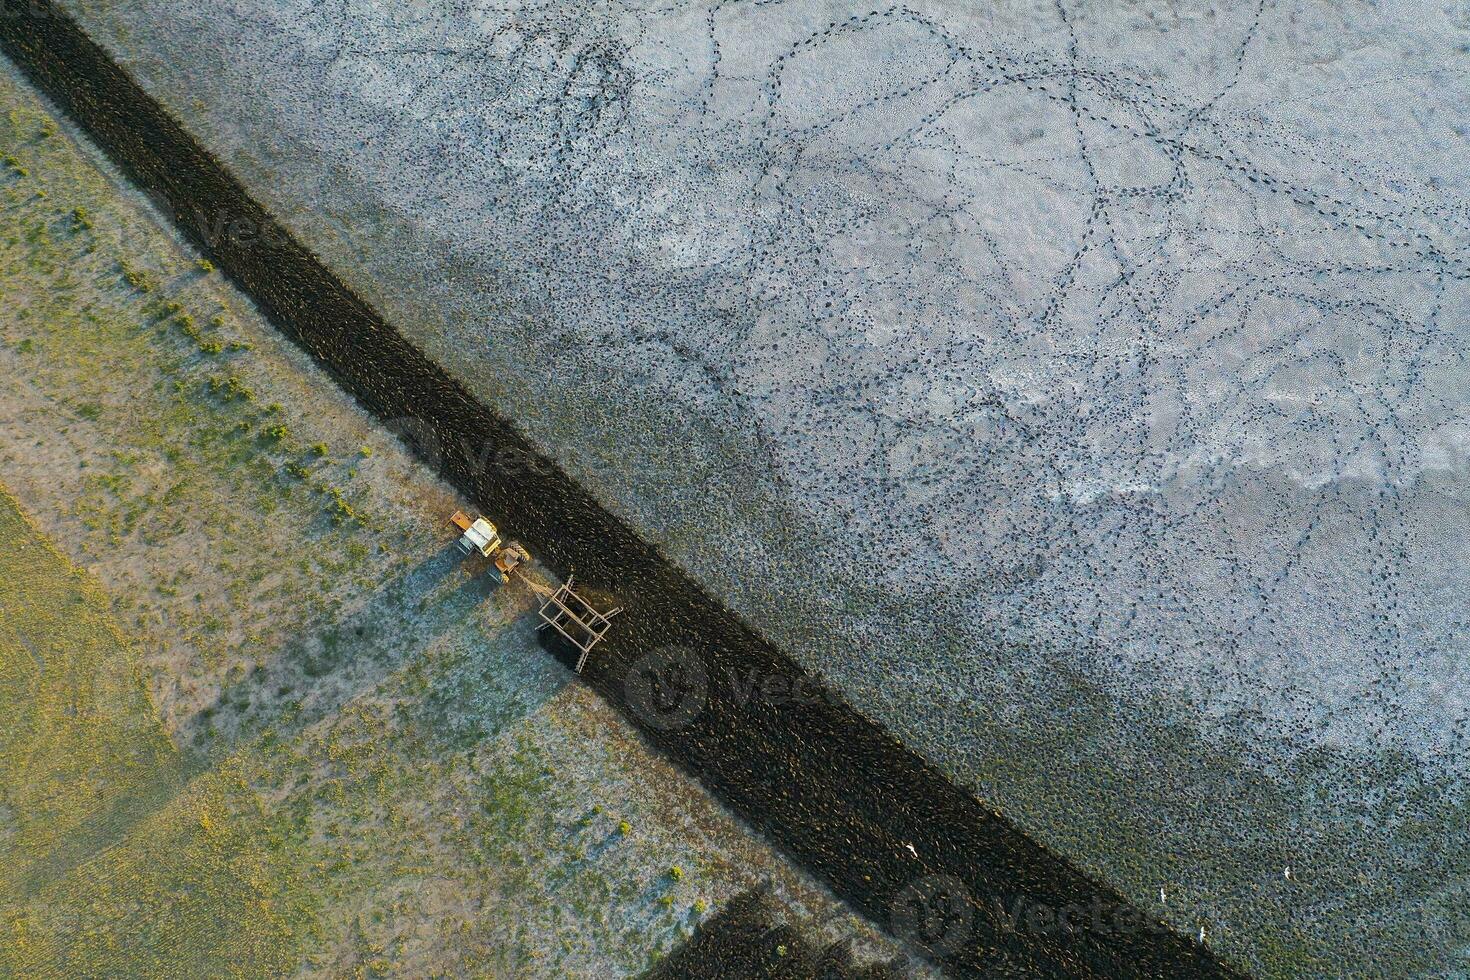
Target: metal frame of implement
(563, 607)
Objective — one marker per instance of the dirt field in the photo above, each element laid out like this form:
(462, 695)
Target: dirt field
(1087, 379)
(268, 722)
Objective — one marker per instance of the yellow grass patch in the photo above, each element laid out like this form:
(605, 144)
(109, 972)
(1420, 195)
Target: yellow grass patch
(114, 863)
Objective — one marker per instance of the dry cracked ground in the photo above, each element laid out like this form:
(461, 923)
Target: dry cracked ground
(259, 720)
(1086, 381)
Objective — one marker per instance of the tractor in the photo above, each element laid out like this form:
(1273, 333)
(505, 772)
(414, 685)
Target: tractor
(570, 615)
(478, 535)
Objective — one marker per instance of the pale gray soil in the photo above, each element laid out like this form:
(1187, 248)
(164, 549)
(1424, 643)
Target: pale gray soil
(1096, 372)
(472, 809)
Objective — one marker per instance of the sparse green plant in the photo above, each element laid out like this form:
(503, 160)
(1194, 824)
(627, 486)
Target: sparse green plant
(320, 449)
(136, 278)
(230, 389)
(700, 906)
(277, 432)
(624, 828)
(205, 266)
(676, 873)
(81, 220)
(338, 506)
(26, 346)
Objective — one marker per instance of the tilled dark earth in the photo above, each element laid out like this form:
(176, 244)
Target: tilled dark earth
(845, 799)
(746, 939)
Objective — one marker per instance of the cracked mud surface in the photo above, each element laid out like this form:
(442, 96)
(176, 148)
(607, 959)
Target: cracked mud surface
(1101, 367)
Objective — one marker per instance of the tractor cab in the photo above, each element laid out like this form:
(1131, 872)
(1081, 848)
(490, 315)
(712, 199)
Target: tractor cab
(478, 535)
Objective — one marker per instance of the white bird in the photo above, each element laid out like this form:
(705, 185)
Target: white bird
(1162, 899)
(1286, 872)
(911, 850)
(1201, 934)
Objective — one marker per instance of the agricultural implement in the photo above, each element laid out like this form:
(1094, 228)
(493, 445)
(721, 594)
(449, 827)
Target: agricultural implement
(571, 616)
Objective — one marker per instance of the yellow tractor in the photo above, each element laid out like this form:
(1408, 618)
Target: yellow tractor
(478, 535)
(569, 614)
